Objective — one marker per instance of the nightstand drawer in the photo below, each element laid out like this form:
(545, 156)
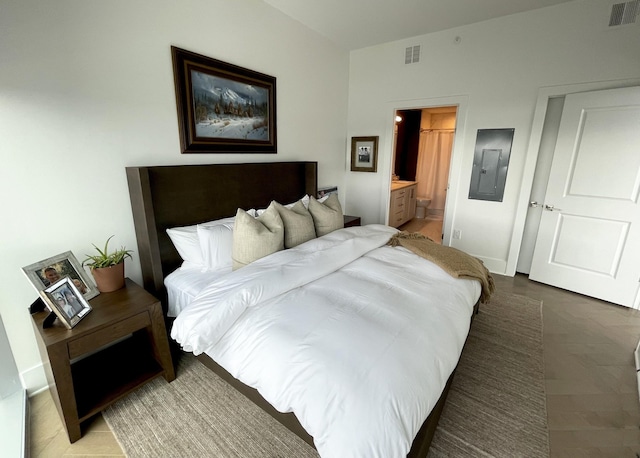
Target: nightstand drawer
(107, 335)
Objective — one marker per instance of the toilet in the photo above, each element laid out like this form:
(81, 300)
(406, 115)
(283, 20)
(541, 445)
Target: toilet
(422, 204)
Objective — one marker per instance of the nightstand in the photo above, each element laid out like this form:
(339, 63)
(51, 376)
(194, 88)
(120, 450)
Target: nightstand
(120, 345)
(350, 221)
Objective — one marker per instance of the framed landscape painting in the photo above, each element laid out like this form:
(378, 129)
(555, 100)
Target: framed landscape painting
(223, 108)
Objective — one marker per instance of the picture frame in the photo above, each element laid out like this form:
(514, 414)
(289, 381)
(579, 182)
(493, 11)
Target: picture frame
(48, 271)
(66, 301)
(364, 154)
(223, 108)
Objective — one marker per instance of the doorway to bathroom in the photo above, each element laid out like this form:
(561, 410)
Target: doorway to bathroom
(422, 147)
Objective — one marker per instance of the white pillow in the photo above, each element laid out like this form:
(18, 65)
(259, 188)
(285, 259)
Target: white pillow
(185, 239)
(327, 216)
(187, 242)
(321, 200)
(216, 243)
(255, 238)
(304, 200)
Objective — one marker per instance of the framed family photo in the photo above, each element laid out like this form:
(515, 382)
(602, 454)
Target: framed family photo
(66, 301)
(44, 273)
(364, 154)
(223, 108)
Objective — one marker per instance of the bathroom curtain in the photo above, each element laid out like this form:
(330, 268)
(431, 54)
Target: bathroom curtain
(432, 171)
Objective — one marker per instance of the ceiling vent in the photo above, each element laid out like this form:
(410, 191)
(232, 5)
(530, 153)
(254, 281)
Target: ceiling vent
(412, 53)
(624, 13)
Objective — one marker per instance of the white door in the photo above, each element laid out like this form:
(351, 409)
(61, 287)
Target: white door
(589, 235)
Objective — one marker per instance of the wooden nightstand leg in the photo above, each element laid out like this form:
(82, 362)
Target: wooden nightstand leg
(160, 343)
(63, 393)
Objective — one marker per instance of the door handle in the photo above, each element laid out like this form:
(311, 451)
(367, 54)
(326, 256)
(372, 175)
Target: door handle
(551, 208)
(533, 204)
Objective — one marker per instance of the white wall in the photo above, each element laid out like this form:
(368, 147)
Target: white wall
(495, 71)
(86, 89)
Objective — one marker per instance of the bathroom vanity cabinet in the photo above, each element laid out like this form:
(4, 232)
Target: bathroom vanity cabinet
(402, 207)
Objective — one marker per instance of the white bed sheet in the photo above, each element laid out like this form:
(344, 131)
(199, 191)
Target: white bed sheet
(183, 285)
(359, 345)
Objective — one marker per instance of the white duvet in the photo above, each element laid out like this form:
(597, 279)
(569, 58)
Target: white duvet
(355, 337)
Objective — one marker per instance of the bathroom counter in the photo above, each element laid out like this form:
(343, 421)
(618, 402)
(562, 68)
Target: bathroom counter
(395, 185)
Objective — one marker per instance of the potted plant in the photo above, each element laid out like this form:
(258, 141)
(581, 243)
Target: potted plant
(108, 268)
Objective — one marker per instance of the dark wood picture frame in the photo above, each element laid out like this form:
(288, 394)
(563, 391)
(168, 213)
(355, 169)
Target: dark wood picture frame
(364, 154)
(223, 108)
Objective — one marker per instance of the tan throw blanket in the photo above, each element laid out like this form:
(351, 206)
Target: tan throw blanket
(456, 263)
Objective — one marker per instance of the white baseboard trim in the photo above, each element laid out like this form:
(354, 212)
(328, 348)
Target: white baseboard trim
(34, 379)
(496, 266)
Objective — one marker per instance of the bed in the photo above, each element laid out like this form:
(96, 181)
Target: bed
(164, 197)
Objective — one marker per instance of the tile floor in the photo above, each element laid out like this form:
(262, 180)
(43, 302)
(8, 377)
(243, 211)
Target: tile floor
(592, 395)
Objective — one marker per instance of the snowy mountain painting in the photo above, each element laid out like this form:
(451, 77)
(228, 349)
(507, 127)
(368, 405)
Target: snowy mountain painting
(229, 109)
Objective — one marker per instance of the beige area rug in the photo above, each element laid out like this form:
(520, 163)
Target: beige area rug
(496, 406)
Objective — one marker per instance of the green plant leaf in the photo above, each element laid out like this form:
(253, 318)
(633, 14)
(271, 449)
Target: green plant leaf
(104, 258)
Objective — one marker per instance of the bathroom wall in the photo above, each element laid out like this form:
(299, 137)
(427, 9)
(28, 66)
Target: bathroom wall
(435, 119)
(432, 172)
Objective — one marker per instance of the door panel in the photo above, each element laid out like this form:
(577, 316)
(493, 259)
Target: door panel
(616, 168)
(589, 236)
(603, 238)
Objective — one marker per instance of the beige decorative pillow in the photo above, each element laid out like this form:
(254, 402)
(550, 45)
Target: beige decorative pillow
(327, 216)
(298, 224)
(255, 238)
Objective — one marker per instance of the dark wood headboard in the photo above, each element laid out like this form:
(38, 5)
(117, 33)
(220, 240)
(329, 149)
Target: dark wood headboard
(169, 196)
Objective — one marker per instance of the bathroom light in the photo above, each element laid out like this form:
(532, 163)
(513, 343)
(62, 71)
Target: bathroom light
(398, 118)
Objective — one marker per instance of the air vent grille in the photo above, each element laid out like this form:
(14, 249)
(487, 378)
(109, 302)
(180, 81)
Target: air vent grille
(412, 54)
(624, 13)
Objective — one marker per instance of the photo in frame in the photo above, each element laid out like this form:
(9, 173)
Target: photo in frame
(48, 271)
(66, 301)
(223, 108)
(364, 154)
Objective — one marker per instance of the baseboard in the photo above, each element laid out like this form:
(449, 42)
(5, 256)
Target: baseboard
(34, 379)
(496, 266)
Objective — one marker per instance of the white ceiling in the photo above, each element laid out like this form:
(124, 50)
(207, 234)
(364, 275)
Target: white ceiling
(355, 24)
